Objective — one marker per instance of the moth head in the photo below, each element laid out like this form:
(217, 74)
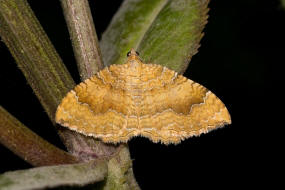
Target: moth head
(132, 53)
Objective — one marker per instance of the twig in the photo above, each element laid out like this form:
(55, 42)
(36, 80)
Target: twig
(34, 53)
(83, 36)
(54, 176)
(28, 145)
(43, 69)
(87, 52)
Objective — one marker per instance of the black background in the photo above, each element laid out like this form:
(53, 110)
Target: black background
(240, 60)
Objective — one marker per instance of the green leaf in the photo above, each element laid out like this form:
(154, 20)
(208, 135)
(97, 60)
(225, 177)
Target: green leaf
(165, 32)
(54, 176)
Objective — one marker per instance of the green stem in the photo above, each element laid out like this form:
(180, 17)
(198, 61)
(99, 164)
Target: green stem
(89, 61)
(35, 56)
(120, 171)
(43, 69)
(49, 177)
(49, 78)
(34, 53)
(83, 36)
(28, 145)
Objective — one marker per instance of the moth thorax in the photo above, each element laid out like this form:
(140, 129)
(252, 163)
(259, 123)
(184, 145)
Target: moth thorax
(135, 67)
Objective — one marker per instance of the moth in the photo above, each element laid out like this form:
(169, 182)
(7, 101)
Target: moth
(138, 99)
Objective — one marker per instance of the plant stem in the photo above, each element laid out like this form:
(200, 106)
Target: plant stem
(89, 61)
(49, 78)
(43, 69)
(34, 53)
(120, 171)
(49, 177)
(83, 36)
(28, 145)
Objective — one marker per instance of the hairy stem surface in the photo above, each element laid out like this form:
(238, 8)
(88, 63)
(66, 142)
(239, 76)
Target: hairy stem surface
(83, 36)
(28, 145)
